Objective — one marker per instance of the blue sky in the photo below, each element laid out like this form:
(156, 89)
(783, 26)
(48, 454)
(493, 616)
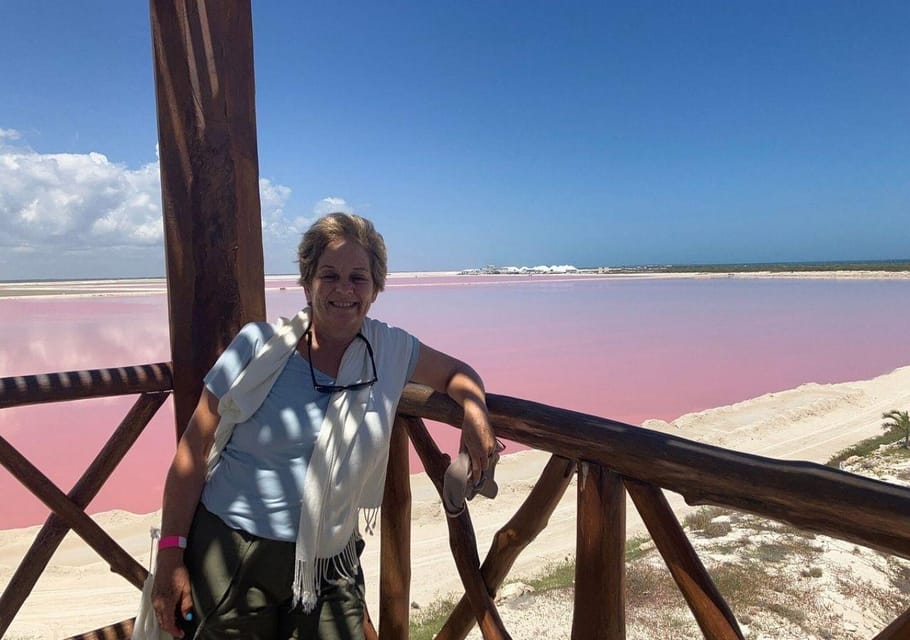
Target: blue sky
(474, 133)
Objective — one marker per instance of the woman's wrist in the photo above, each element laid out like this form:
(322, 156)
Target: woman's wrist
(171, 542)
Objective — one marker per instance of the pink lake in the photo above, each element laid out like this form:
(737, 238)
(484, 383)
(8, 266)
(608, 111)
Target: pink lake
(623, 348)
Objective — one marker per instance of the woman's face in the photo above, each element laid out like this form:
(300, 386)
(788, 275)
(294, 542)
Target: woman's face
(342, 290)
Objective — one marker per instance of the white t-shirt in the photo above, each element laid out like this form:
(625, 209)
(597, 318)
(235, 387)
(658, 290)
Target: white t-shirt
(258, 482)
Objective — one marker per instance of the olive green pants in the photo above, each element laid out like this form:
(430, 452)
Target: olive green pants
(241, 588)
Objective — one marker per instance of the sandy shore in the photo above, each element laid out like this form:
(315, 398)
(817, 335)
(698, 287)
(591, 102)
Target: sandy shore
(812, 422)
(145, 286)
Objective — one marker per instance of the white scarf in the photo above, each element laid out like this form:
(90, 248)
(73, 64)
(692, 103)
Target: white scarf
(346, 471)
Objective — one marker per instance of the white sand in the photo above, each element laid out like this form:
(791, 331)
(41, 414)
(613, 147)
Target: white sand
(78, 593)
(146, 286)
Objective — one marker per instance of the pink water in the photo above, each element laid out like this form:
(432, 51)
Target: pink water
(627, 349)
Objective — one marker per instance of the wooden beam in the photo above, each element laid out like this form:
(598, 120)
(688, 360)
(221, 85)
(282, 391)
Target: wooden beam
(55, 528)
(707, 604)
(810, 496)
(41, 486)
(119, 631)
(395, 540)
(16, 391)
(508, 543)
(462, 541)
(600, 559)
(203, 53)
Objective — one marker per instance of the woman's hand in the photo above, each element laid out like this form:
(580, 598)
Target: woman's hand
(477, 437)
(185, 478)
(171, 591)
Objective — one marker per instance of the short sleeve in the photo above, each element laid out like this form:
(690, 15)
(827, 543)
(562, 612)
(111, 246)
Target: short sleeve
(237, 356)
(415, 356)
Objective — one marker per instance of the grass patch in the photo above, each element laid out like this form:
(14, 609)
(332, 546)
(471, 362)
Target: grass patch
(787, 613)
(634, 548)
(429, 621)
(701, 519)
(743, 585)
(864, 448)
(814, 572)
(772, 552)
(749, 587)
(643, 582)
(901, 452)
(555, 576)
(717, 529)
(561, 575)
(651, 588)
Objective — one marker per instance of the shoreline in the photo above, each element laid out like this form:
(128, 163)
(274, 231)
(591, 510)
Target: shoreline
(87, 288)
(809, 422)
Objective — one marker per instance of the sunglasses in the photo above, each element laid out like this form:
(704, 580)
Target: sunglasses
(334, 388)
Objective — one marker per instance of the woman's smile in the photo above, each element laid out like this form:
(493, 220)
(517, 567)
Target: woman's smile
(342, 290)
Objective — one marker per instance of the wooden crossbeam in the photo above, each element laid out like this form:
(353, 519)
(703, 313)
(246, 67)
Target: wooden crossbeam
(41, 486)
(711, 611)
(461, 537)
(39, 388)
(86, 488)
(529, 520)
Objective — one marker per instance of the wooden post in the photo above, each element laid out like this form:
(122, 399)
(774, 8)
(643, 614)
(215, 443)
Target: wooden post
(395, 527)
(205, 92)
(600, 560)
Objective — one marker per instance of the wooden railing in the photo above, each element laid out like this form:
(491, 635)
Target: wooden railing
(611, 459)
(153, 384)
(614, 458)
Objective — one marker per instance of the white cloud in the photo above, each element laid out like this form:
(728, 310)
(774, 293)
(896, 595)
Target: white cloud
(331, 205)
(280, 227)
(75, 201)
(275, 223)
(9, 134)
(281, 231)
(81, 215)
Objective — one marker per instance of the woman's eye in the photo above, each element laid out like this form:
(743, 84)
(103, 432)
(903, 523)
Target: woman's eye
(328, 276)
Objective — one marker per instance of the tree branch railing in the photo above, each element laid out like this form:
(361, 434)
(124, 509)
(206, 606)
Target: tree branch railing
(616, 458)
(809, 496)
(611, 459)
(152, 382)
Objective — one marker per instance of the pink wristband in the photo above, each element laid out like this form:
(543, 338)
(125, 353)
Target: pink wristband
(168, 542)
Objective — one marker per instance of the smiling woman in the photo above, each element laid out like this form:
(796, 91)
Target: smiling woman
(288, 444)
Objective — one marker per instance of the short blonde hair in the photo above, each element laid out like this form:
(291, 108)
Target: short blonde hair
(337, 226)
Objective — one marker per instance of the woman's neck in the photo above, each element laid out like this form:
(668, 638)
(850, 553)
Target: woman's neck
(325, 349)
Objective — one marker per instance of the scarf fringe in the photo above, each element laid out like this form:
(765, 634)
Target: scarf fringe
(370, 516)
(309, 576)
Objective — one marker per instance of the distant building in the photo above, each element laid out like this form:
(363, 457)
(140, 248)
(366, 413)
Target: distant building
(540, 269)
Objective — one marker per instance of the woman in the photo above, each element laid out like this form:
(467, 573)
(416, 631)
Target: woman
(288, 443)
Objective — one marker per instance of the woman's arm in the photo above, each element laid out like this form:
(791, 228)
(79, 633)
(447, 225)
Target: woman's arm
(448, 375)
(182, 489)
